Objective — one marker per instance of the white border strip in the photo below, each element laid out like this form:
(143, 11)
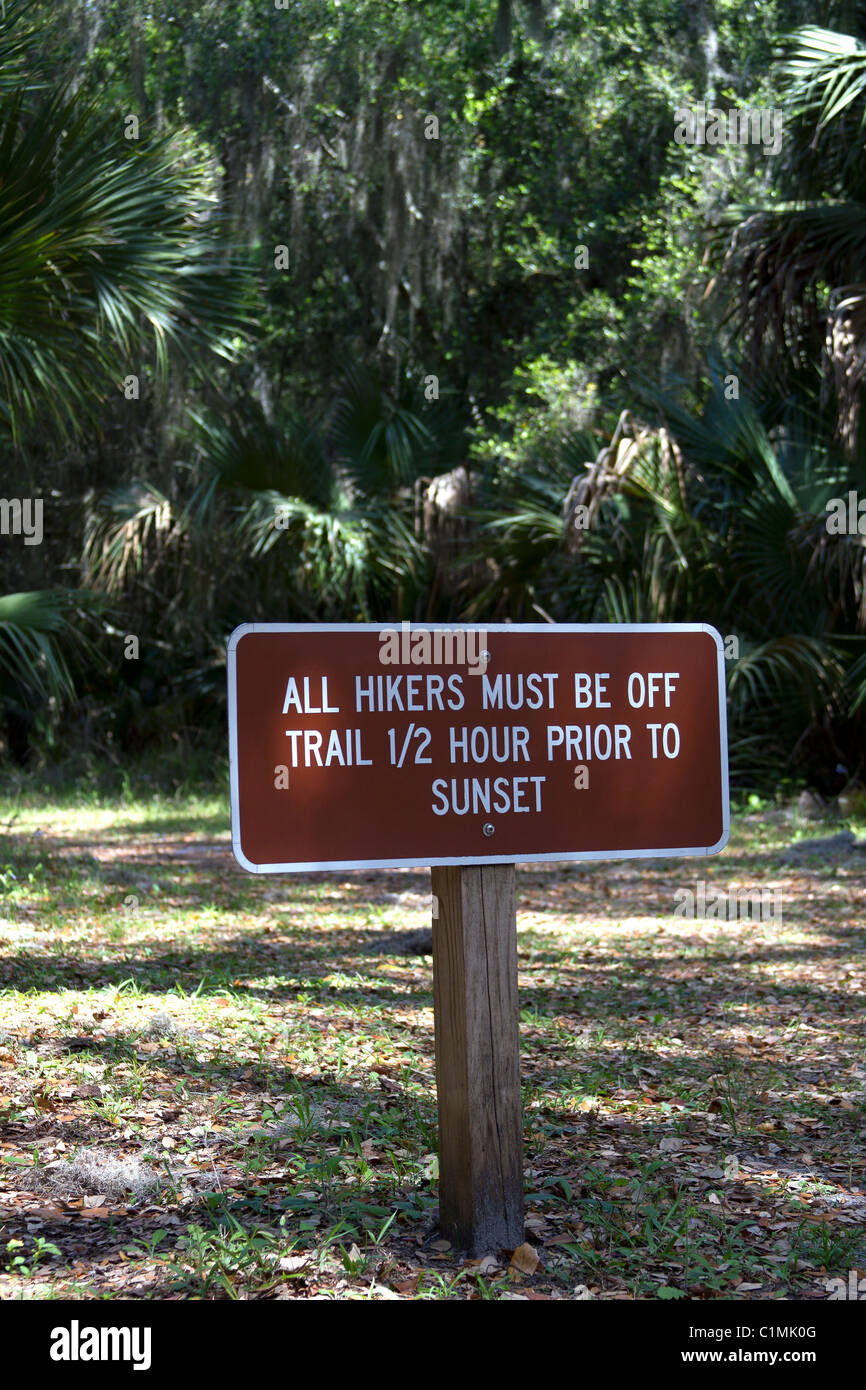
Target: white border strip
(427, 862)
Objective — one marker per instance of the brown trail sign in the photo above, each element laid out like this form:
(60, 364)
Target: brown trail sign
(356, 745)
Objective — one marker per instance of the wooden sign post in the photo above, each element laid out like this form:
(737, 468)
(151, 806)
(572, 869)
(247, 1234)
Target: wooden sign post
(362, 745)
(477, 1058)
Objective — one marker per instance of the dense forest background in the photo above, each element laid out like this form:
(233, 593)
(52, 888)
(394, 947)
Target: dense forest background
(373, 310)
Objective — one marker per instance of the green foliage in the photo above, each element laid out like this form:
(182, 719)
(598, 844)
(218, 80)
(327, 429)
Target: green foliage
(96, 248)
(431, 172)
(33, 629)
(99, 252)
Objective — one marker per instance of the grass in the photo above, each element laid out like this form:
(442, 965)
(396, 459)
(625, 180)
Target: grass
(253, 1053)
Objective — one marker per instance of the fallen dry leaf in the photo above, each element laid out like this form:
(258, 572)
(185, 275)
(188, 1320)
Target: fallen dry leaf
(292, 1263)
(408, 1286)
(524, 1260)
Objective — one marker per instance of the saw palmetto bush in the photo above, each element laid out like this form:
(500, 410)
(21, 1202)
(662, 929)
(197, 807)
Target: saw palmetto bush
(98, 254)
(298, 519)
(713, 512)
(108, 263)
(717, 507)
(801, 262)
(294, 520)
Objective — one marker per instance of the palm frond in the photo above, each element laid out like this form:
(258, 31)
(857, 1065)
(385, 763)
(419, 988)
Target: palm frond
(119, 530)
(17, 34)
(245, 450)
(379, 444)
(36, 628)
(100, 247)
(824, 87)
(772, 670)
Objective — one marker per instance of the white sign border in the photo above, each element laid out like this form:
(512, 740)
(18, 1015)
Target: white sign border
(427, 862)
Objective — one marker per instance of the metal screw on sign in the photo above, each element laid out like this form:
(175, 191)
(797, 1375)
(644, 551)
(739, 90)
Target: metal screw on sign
(488, 829)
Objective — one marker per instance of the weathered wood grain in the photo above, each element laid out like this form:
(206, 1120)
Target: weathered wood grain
(477, 1057)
